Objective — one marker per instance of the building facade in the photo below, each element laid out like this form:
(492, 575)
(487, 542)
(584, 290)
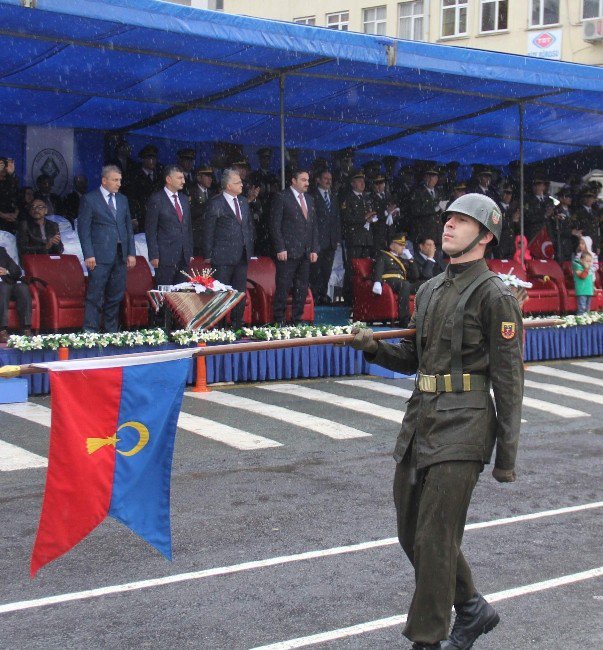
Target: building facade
(567, 30)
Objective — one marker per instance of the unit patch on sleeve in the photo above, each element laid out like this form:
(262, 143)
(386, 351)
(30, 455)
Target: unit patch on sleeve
(507, 330)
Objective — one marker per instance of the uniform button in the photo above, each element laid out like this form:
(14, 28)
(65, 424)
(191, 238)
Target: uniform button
(447, 283)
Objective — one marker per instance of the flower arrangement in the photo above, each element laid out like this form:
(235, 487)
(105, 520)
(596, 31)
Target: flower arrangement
(188, 337)
(573, 320)
(513, 281)
(274, 333)
(88, 340)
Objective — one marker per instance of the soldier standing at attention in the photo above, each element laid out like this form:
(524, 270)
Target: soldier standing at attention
(469, 336)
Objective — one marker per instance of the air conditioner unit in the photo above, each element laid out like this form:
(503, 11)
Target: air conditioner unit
(592, 30)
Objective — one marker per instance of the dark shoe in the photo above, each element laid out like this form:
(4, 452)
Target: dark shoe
(473, 618)
(3, 336)
(426, 646)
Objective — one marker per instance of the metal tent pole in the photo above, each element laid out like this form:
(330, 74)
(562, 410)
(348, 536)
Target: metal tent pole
(521, 181)
(282, 120)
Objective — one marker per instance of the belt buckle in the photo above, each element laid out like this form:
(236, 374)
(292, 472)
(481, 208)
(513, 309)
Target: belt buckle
(428, 383)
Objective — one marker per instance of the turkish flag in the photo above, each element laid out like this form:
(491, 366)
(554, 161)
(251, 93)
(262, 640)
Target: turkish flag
(541, 246)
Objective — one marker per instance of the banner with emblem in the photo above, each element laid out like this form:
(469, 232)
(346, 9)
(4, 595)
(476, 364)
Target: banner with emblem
(111, 445)
(50, 151)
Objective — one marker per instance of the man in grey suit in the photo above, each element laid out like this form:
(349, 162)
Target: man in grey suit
(105, 230)
(169, 230)
(295, 239)
(228, 238)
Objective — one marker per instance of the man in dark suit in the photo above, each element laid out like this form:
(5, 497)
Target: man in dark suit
(428, 261)
(105, 229)
(71, 205)
(295, 239)
(329, 235)
(169, 229)
(12, 288)
(482, 184)
(199, 195)
(186, 162)
(228, 238)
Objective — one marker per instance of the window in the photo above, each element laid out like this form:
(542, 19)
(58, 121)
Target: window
(454, 17)
(544, 12)
(494, 15)
(410, 20)
(374, 20)
(340, 21)
(308, 20)
(592, 9)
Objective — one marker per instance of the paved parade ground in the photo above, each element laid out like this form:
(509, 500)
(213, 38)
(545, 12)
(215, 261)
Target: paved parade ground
(284, 529)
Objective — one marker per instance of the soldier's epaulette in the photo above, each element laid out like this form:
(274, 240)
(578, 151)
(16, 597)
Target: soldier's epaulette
(501, 286)
(343, 205)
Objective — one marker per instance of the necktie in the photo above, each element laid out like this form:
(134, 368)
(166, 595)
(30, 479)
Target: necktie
(177, 206)
(304, 207)
(112, 204)
(327, 200)
(238, 210)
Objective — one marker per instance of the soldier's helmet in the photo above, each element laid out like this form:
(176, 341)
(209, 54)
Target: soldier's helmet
(482, 208)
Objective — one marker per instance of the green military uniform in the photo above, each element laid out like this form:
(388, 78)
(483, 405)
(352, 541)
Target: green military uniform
(398, 273)
(451, 427)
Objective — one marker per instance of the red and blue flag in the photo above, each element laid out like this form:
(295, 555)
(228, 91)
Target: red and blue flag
(111, 446)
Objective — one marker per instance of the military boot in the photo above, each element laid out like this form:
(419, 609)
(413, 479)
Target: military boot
(473, 618)
(426, 646)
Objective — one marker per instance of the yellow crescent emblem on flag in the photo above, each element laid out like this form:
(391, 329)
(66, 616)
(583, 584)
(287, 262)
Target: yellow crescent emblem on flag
(93, 444)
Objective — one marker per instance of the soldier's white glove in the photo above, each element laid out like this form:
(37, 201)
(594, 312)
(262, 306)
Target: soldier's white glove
(363, 340)
(389, 221)
(406, 254)
(377, 288)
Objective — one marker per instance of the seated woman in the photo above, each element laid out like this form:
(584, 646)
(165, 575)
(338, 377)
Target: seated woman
(37, 235)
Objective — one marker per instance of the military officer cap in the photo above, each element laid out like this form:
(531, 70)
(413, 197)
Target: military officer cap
(431, 171)
(148, 151)
(186, 153)
(204, 169)
(564, 192)
(588, 191)
(399, 238)
(379, 179)
(484, 171)
(460, 186)
(481, 208)
(264, 151)
(539, 178)
(357, 173)
(345, 153)
(241, 162)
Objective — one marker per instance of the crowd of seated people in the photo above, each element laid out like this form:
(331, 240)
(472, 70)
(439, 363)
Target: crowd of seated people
(358, 210)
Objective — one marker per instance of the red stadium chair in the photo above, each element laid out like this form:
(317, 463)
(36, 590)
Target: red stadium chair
(369, 307)
(539, 270)
(61, 287)
(261, 276)
(135, 305)
(13, 318)
(543, 297)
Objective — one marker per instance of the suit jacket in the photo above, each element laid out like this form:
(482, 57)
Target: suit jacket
(139, 190)
(7, 262)
(426, 269)
(30, 240)
(289, 229)
(167, 239)
(328, 221)
(224, 238)
(99, 231)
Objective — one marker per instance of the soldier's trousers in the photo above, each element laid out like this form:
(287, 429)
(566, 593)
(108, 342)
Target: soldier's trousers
(431, 508)
(402, 290)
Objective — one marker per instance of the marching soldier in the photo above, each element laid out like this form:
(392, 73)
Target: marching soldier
(396, 267)
(468, 338)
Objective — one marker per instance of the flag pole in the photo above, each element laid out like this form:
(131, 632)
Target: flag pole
(9, 371)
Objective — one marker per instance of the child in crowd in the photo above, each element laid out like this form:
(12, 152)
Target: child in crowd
(584, 281)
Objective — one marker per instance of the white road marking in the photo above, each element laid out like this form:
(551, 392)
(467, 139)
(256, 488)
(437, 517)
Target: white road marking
(191, 423)
(223, 433)
(564, 374)
(591, 365)
(29, 411)
(392, 621)
(386, 389)
(260, 564)
(565, 391)
(13, 458)
(286, 416)
(554, 409)
(325, 397)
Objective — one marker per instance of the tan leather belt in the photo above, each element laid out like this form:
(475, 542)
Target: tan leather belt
(443, 383)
